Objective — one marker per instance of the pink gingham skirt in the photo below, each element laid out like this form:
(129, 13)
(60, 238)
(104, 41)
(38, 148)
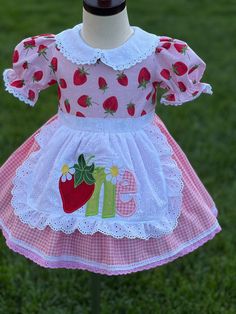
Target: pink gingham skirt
(102, 253)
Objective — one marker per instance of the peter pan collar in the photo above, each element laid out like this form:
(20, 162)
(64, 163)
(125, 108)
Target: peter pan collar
(138, 47)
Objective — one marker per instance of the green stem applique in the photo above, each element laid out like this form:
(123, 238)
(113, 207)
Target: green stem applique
(93, 203)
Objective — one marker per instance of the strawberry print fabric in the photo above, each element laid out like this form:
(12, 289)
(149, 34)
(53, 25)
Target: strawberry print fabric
(104, 172)
(180, 71)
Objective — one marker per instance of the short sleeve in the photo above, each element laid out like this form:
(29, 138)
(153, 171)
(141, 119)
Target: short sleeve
(179, 70)
(33, 68)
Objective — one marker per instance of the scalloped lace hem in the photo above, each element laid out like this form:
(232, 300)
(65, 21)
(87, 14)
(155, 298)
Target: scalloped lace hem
(206, 90)
(89, 225)
(69, 262)
(13, 91)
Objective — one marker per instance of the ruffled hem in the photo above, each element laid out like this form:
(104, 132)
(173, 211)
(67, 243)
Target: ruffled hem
(90, 225)
(206, 88)
(69, 262)
(13, 91)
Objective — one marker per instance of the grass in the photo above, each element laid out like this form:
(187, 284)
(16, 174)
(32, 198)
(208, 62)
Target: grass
(201, 282)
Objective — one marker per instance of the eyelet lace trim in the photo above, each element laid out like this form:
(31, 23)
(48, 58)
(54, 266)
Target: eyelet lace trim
(137, 48)
(117, 229)
(12, 90)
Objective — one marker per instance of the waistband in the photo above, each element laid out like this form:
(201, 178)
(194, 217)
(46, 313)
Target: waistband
(105, 124)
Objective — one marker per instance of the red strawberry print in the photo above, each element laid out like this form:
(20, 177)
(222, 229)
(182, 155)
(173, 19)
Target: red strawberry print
(122, 79)
(85, 101)
(170, 97)
(67, 105)
(18, 83)
(166, 45)
(166, 39)
(155, 85)
(158, 50)
(79, 114)
(59, 92)
(154, 98)
(53, 65)
(47, 35)
(25, 65)
(76, 189)
(144, 77)
(29, 44)
(148, 95)
(110, 105)
(193, 68)
(165, 74)
(143, 113)
(15, 56)
(37, 76)
(131, 109)
(31, 95)
(182, 86)
(80, 76)
(57, 48)
(195, 93)
(52, 82)
(62, 83)
(42, 51)
(179, 68)
(181, 48)
(102, 84)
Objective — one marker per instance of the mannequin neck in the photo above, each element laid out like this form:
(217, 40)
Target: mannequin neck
(106, 32)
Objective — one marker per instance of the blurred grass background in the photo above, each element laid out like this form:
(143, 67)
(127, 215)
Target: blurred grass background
(201, 282)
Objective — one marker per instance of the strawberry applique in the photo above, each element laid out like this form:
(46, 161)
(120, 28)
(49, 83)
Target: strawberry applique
(110, 105)
(102, 84)
(122, 78)
(144, 77)
(76, 184)
(80, 76)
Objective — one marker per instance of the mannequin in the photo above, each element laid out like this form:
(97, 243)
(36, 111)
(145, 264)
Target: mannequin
(105, 23)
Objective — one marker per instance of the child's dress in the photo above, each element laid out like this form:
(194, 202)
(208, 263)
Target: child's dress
(102, 185)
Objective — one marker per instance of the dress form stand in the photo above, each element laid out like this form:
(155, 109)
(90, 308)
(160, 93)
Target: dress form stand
(105, 26)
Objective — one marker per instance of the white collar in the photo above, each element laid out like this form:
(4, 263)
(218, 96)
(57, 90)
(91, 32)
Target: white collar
(138, 47)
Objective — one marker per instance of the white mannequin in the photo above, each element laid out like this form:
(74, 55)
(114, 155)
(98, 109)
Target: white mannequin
(106, 32)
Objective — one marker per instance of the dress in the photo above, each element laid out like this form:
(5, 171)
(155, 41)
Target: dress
(102, 185)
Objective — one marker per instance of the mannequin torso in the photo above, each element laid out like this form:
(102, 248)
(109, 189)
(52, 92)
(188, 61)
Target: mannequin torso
(106, 32)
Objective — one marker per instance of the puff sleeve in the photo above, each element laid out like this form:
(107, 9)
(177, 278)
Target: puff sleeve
(33, 68)
(179, 70)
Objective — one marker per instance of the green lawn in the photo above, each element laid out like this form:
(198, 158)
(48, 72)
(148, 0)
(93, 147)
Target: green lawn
(201, 282)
